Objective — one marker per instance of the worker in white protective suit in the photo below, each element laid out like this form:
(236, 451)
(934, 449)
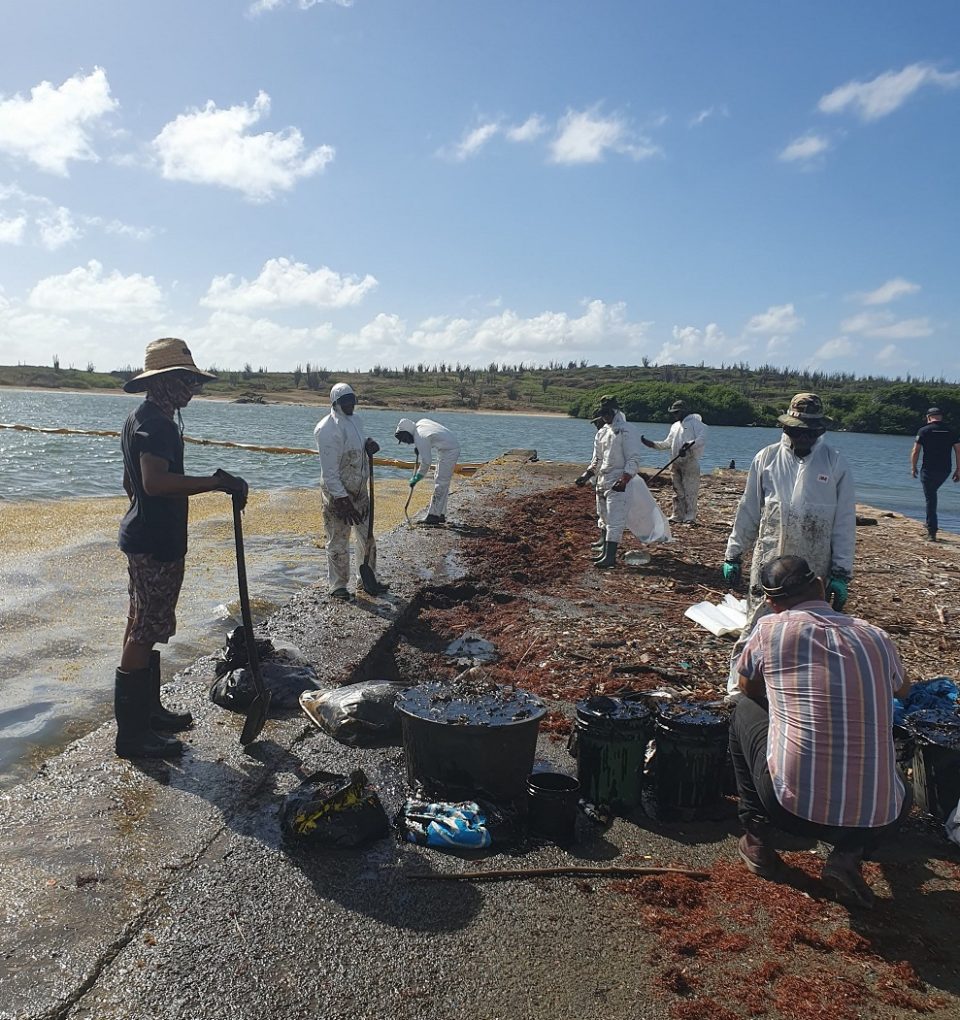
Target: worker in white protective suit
(344, 448)
(798, 501)
(623, 500)
(427, 436)
(686, 441)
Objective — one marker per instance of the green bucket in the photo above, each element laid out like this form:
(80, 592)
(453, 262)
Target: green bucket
(611, 738)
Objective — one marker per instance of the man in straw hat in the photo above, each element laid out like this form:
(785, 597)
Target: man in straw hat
(686, 441)
(798, 501)
(344, 448)
(153, 534)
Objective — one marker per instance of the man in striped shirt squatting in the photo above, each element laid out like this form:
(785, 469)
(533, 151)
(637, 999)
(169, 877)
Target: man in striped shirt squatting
(812, 740)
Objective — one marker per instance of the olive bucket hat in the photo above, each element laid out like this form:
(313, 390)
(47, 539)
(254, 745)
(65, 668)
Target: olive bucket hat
(165, 355)
(805, 412)
(677, 405)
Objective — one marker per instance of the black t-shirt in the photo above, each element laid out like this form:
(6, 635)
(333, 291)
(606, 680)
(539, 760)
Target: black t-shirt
(153, 524)
(937, 440)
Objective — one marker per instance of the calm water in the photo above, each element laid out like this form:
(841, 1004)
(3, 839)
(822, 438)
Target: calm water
(36, 466)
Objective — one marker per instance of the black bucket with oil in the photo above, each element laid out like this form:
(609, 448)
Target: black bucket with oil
(552, 799)
(936, 760)
(611, 739)
(691, 758)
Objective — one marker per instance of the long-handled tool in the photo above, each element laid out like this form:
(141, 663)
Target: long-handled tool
(665, 466)
(367, 577)
(257, 712)
(416, 467)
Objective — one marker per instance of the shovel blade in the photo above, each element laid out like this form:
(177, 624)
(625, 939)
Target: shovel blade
(369, 579)
(256, 717)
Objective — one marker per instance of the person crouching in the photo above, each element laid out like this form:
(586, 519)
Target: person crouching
(812, 740)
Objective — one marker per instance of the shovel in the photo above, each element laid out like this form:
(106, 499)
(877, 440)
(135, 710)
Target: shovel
(664, 468)
(257, 712)
(367, 577)
(416, 465)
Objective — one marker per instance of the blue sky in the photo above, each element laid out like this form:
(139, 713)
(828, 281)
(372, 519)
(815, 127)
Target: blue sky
(394, 181)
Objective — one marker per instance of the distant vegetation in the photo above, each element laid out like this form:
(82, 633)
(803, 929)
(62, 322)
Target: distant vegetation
(729, 395)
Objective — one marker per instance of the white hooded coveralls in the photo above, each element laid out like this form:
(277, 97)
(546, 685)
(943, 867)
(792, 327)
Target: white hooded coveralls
(428, 436)
(685, 472)
(616, 451)
(793, 506)
(344, 471)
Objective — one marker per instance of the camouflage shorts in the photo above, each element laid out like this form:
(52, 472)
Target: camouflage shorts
(154, 589)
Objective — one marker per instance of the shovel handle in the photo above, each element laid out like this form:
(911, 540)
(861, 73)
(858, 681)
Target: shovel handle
(245, 614)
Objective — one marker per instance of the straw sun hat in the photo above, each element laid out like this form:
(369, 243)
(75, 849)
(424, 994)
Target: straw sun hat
(166, 355)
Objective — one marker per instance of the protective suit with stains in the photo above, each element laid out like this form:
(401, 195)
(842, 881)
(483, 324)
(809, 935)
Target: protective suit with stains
(795, 503)
(343, 445)
(686, 441)
(427, 436)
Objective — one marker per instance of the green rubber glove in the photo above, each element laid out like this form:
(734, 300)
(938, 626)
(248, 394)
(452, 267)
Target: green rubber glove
(838, 590)
(731, 571)
(416, 478)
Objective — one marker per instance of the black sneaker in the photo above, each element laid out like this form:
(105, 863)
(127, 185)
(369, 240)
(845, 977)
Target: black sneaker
(341, 595)
(841, 874)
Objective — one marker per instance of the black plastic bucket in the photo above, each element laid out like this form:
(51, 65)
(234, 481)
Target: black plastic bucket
(936, 760)
(691, 758)
(611, 738)
(470, 740)
(552, 799)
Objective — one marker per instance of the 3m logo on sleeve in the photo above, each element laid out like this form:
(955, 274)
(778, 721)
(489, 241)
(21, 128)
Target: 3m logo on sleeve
(823, 478)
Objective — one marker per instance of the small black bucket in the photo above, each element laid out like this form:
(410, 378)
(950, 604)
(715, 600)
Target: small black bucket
(691, 758)
(611, 737)
(552, 799)
(936, 760)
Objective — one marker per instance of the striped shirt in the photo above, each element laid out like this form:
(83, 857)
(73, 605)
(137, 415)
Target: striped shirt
(830, 680)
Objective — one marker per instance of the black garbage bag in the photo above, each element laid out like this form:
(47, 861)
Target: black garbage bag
(234, 654)
(332, 810)
(363, 713)
(285, 681)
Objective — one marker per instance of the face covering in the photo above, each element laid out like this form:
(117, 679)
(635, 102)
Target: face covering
(802, 440)
(170, 391)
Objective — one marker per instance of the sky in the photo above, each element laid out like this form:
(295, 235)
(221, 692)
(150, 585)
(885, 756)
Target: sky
(353, 183)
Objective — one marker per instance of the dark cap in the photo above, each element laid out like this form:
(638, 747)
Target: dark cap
(931, 411)
(608, 400)
(677, 405)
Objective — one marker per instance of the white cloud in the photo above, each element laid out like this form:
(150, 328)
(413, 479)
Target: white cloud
(840, 347)
(531, 129)
(213, 146)
(53, 127)
(57, 228)
(12, 231)
(889, 291)
(473, 141)
(227, 339)
(884, 325)
(691, 345)
(584, 136)
(776, 320)
(286, 284)
(871, 100)
(265, 6)
(805, 147)
(86, 290)
(704, 115)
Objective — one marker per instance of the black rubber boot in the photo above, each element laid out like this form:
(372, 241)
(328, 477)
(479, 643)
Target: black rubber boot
(598, 547)
(131, 706)
(432, 519)
(162, 718)
(609, 557)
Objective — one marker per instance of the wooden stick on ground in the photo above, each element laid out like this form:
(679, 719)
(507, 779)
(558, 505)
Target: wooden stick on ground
(574, 869)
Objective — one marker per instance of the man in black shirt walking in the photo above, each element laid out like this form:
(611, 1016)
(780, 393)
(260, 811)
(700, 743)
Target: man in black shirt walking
(936, 439)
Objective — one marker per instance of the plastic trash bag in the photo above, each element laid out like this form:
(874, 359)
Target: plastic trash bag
(332, 810)
(459, 826)
(363, 713)
(941, 692)
(952, 825)
(286, 682)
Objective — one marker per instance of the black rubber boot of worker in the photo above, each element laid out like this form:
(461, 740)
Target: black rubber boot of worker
(162, 718)
(432, 519)
(131, 706)
(609, 557)
(601, 544)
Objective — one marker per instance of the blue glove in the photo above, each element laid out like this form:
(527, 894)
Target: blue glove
(416, 478)
(838, 592)
(731, 571)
